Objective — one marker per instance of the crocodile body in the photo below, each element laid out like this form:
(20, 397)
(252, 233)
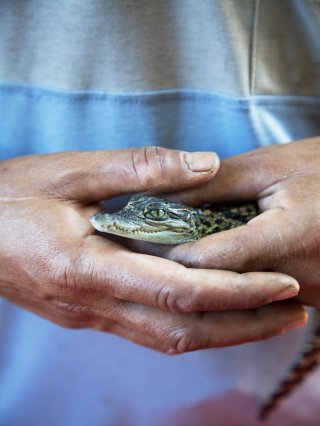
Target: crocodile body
(165, 222)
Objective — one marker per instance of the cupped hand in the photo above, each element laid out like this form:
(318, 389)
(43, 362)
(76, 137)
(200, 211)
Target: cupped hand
(53, 264)
(286, 237)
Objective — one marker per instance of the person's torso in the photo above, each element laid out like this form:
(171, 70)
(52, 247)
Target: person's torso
(227, 76)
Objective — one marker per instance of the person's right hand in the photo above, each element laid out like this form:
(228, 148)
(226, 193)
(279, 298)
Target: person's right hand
(53, 264)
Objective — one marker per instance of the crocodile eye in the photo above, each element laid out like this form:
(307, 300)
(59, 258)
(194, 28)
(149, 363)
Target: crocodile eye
(156, 214)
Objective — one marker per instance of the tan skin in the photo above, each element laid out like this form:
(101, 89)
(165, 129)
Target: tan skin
(285, 238)
(53, 264)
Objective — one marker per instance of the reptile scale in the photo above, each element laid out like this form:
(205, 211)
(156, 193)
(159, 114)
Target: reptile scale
(165, 222)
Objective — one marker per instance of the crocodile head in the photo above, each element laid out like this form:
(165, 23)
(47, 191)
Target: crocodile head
(150, 219)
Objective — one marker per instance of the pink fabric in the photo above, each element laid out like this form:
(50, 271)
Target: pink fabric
(237, 408)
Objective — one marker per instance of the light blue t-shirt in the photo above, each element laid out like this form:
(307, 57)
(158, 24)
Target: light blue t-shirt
(222, 75)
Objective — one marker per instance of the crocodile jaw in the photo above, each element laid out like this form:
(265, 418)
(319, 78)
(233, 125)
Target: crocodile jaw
(138, 230)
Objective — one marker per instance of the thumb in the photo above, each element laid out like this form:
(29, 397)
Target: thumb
(99, 175)
(262, 245)
(242, 177)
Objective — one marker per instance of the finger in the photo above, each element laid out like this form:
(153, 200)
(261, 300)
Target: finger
(98, 175)
(79, 315)
(242, 177)
(140, 338)
(179, 333)
(61, 313)
(169, 286)
(262, 244)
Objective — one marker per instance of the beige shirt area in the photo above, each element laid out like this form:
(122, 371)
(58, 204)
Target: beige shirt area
(236, 47)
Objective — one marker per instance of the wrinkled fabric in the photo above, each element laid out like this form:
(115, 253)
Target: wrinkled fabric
(240, 48)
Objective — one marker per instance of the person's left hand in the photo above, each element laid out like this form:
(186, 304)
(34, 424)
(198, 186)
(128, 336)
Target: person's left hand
(285, 179)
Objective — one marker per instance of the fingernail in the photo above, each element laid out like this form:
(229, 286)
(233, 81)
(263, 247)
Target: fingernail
(201, 161)
(298, 322)
(290, 291)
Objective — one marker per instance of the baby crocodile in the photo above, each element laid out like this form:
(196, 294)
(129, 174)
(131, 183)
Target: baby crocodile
(165, 222)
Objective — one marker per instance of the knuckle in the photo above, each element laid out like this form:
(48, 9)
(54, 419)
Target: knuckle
(72, 273)
(149, 164)
(62, 275)
(182, 297)
(167, 299)
(181, 341)
(157, 157)
(53, 272)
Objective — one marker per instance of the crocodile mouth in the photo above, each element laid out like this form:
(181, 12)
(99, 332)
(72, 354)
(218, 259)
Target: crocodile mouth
(105, 223)
(146, 230)
(115, 226)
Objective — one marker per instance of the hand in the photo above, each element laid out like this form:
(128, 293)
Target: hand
(52, 263)
(286, 237)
